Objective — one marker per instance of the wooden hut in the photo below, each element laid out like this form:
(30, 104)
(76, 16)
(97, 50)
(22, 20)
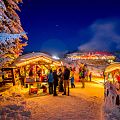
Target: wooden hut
(112, 72)
(30, 62)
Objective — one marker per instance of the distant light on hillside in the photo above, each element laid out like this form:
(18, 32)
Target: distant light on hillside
(55, 57)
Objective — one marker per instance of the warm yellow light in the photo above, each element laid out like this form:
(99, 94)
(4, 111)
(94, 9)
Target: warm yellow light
(51, 65)
(28, 61)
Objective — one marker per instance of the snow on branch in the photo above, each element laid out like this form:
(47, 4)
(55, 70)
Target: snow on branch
(2, 5)
(7, 36)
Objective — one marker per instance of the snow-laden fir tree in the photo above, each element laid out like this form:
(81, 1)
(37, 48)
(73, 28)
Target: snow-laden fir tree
(11, 32)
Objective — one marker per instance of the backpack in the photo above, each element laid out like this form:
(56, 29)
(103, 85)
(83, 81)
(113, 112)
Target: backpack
(81, 73)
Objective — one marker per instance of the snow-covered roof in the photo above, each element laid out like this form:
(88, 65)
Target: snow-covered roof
(34, 57)
(112, 67)
(91, 55)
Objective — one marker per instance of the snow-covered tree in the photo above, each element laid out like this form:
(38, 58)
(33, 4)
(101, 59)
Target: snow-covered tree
(11, 32)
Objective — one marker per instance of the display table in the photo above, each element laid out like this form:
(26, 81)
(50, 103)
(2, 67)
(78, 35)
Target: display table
(31, 82)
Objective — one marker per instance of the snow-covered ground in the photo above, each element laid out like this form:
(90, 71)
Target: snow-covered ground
(82, 104)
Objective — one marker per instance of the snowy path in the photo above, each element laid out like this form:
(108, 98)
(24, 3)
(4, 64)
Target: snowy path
(82, 104)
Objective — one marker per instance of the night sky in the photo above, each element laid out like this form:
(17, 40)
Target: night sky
(59, 26)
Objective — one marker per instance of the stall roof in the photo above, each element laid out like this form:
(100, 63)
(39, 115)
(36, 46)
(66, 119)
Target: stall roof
(112, 67)
(34, 57)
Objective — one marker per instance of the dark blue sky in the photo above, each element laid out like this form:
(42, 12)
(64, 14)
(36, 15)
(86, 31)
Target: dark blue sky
(64, 25)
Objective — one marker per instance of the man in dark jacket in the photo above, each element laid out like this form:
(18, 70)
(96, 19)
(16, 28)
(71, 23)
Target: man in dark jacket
(66, 76)
(55, 83)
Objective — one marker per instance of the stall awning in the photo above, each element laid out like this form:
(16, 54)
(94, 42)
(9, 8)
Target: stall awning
(112, 67)
(32, 58)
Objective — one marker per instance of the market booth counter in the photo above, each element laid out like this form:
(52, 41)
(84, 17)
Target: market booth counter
(35, 85)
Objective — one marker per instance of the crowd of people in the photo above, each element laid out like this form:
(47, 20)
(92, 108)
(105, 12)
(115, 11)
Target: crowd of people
(84, 75)
(60, 79)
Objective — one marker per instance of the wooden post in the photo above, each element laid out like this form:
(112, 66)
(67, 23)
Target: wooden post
(25, 71)
(13, 76)
(35, 72)
(26, 85)
(3, 76)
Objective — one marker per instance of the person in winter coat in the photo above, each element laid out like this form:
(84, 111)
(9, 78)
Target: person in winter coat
(55, 83)
(60, 76)
(80, 73)
(72, 78)
(90, 76)
(50, 82)
(83, 77)
(66, 76)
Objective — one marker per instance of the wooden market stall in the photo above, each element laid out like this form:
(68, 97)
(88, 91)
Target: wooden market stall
(34, 63)
(112, 72)
(30, 67)
(33, 68)
(112, 84)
